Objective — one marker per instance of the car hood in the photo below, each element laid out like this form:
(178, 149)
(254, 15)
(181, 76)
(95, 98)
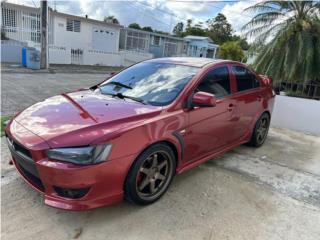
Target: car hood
(65, 114)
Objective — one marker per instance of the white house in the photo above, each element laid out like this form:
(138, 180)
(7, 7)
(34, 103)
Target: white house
(72, 39)
(201, 47)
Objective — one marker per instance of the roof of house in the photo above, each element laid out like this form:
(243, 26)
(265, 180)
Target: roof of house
(84, 19)
(188, 61)
(191, 37)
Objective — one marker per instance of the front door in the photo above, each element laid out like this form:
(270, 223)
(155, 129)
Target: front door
(210, 128)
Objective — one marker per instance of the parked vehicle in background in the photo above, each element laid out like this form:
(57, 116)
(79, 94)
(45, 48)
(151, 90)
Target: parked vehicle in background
(128, 136)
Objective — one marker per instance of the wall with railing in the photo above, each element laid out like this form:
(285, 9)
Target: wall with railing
(297, 114)
(11, 51)
(59, 55)
(131, 57)
(98, 57)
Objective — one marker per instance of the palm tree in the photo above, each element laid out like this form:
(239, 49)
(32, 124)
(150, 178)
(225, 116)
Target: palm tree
(111, 19)
(288, 33)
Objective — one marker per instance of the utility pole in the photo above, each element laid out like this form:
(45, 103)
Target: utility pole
(44, 35)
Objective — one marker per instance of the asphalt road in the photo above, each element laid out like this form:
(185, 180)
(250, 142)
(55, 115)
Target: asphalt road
(268, 193)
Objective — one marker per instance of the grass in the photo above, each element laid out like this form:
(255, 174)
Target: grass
(4, 120)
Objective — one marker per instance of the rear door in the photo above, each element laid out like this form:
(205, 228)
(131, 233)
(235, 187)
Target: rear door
(248, 97)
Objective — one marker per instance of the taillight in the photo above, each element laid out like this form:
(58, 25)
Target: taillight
(266, 80)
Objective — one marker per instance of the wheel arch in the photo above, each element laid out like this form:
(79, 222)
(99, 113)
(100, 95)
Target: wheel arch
(170, 144)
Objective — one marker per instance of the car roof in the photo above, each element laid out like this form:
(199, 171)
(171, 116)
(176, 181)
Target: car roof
(188, 61)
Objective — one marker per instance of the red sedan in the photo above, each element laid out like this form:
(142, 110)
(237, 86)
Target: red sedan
(128, 136)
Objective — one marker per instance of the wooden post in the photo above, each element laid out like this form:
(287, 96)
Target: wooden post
(44, 35)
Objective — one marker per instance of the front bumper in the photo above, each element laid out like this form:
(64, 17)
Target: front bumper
(104, 181)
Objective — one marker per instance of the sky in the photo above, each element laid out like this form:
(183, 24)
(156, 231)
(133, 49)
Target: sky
(159, 14)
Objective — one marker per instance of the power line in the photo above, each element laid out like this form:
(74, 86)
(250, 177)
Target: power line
(133, 5)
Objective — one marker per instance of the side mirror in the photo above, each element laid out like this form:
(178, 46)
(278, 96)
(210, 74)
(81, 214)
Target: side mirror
(203, 99)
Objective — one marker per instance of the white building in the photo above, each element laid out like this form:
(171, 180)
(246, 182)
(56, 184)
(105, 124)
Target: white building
(201, 47)
(72, 39)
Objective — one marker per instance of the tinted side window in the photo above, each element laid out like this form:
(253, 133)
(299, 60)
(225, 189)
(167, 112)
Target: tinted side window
(216, 82)
(245, 79)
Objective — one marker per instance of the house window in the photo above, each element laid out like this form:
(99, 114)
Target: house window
(35, 27)
(136, 41)
(9, 19)
(73, 25)
(156, 40)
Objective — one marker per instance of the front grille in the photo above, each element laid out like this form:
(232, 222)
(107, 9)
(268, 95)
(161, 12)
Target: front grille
(19, 148)
(32, 178)
(25, 163)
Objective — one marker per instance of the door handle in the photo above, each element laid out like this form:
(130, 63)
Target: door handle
(230, 107)
(259, 98)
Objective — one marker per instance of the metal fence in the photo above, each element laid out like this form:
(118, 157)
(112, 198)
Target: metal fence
(310, 90)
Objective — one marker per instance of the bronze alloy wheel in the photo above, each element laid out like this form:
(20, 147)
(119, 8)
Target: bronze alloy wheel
(150, 174)
(153, 176)
(262, 129)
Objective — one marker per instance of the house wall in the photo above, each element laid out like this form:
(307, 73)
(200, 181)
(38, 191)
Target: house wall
(62, 37)
(298, 114)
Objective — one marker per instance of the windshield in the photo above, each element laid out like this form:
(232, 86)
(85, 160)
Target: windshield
(153, 83)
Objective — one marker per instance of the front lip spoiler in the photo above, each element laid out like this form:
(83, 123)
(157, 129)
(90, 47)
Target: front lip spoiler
(80, 205)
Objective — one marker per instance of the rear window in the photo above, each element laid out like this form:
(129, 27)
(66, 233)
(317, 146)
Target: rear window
(245, 79)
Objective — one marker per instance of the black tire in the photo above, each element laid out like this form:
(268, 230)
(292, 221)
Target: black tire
(144, 171)
(260, 131)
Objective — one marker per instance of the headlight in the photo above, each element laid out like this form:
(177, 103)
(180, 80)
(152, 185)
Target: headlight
(81, 155)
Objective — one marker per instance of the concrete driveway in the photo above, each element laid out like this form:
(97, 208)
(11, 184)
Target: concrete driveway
(268, 193)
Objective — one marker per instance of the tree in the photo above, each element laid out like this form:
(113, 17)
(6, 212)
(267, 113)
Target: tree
(147, 28)
(161, 32)
(189, 22)
(134, 25)
(288, 36)
(231, 51)
(219, 30)
(111, 19)
(196, 30)
(178, 29)
(242, 41)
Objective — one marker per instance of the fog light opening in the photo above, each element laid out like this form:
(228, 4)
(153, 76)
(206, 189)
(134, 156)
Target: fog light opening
(71, 193)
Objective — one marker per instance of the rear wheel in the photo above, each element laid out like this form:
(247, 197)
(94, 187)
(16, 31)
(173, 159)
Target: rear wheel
(150, 175)
(260, 131)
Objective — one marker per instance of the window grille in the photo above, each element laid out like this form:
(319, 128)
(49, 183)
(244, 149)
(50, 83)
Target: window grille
(136, 41)
(73, 25)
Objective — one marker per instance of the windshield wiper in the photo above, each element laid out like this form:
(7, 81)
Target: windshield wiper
(121, 96)
(117, 84)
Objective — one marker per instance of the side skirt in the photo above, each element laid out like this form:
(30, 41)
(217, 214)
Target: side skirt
(207, 158)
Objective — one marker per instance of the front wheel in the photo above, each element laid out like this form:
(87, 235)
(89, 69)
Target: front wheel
(260, 131)
(150, 175)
